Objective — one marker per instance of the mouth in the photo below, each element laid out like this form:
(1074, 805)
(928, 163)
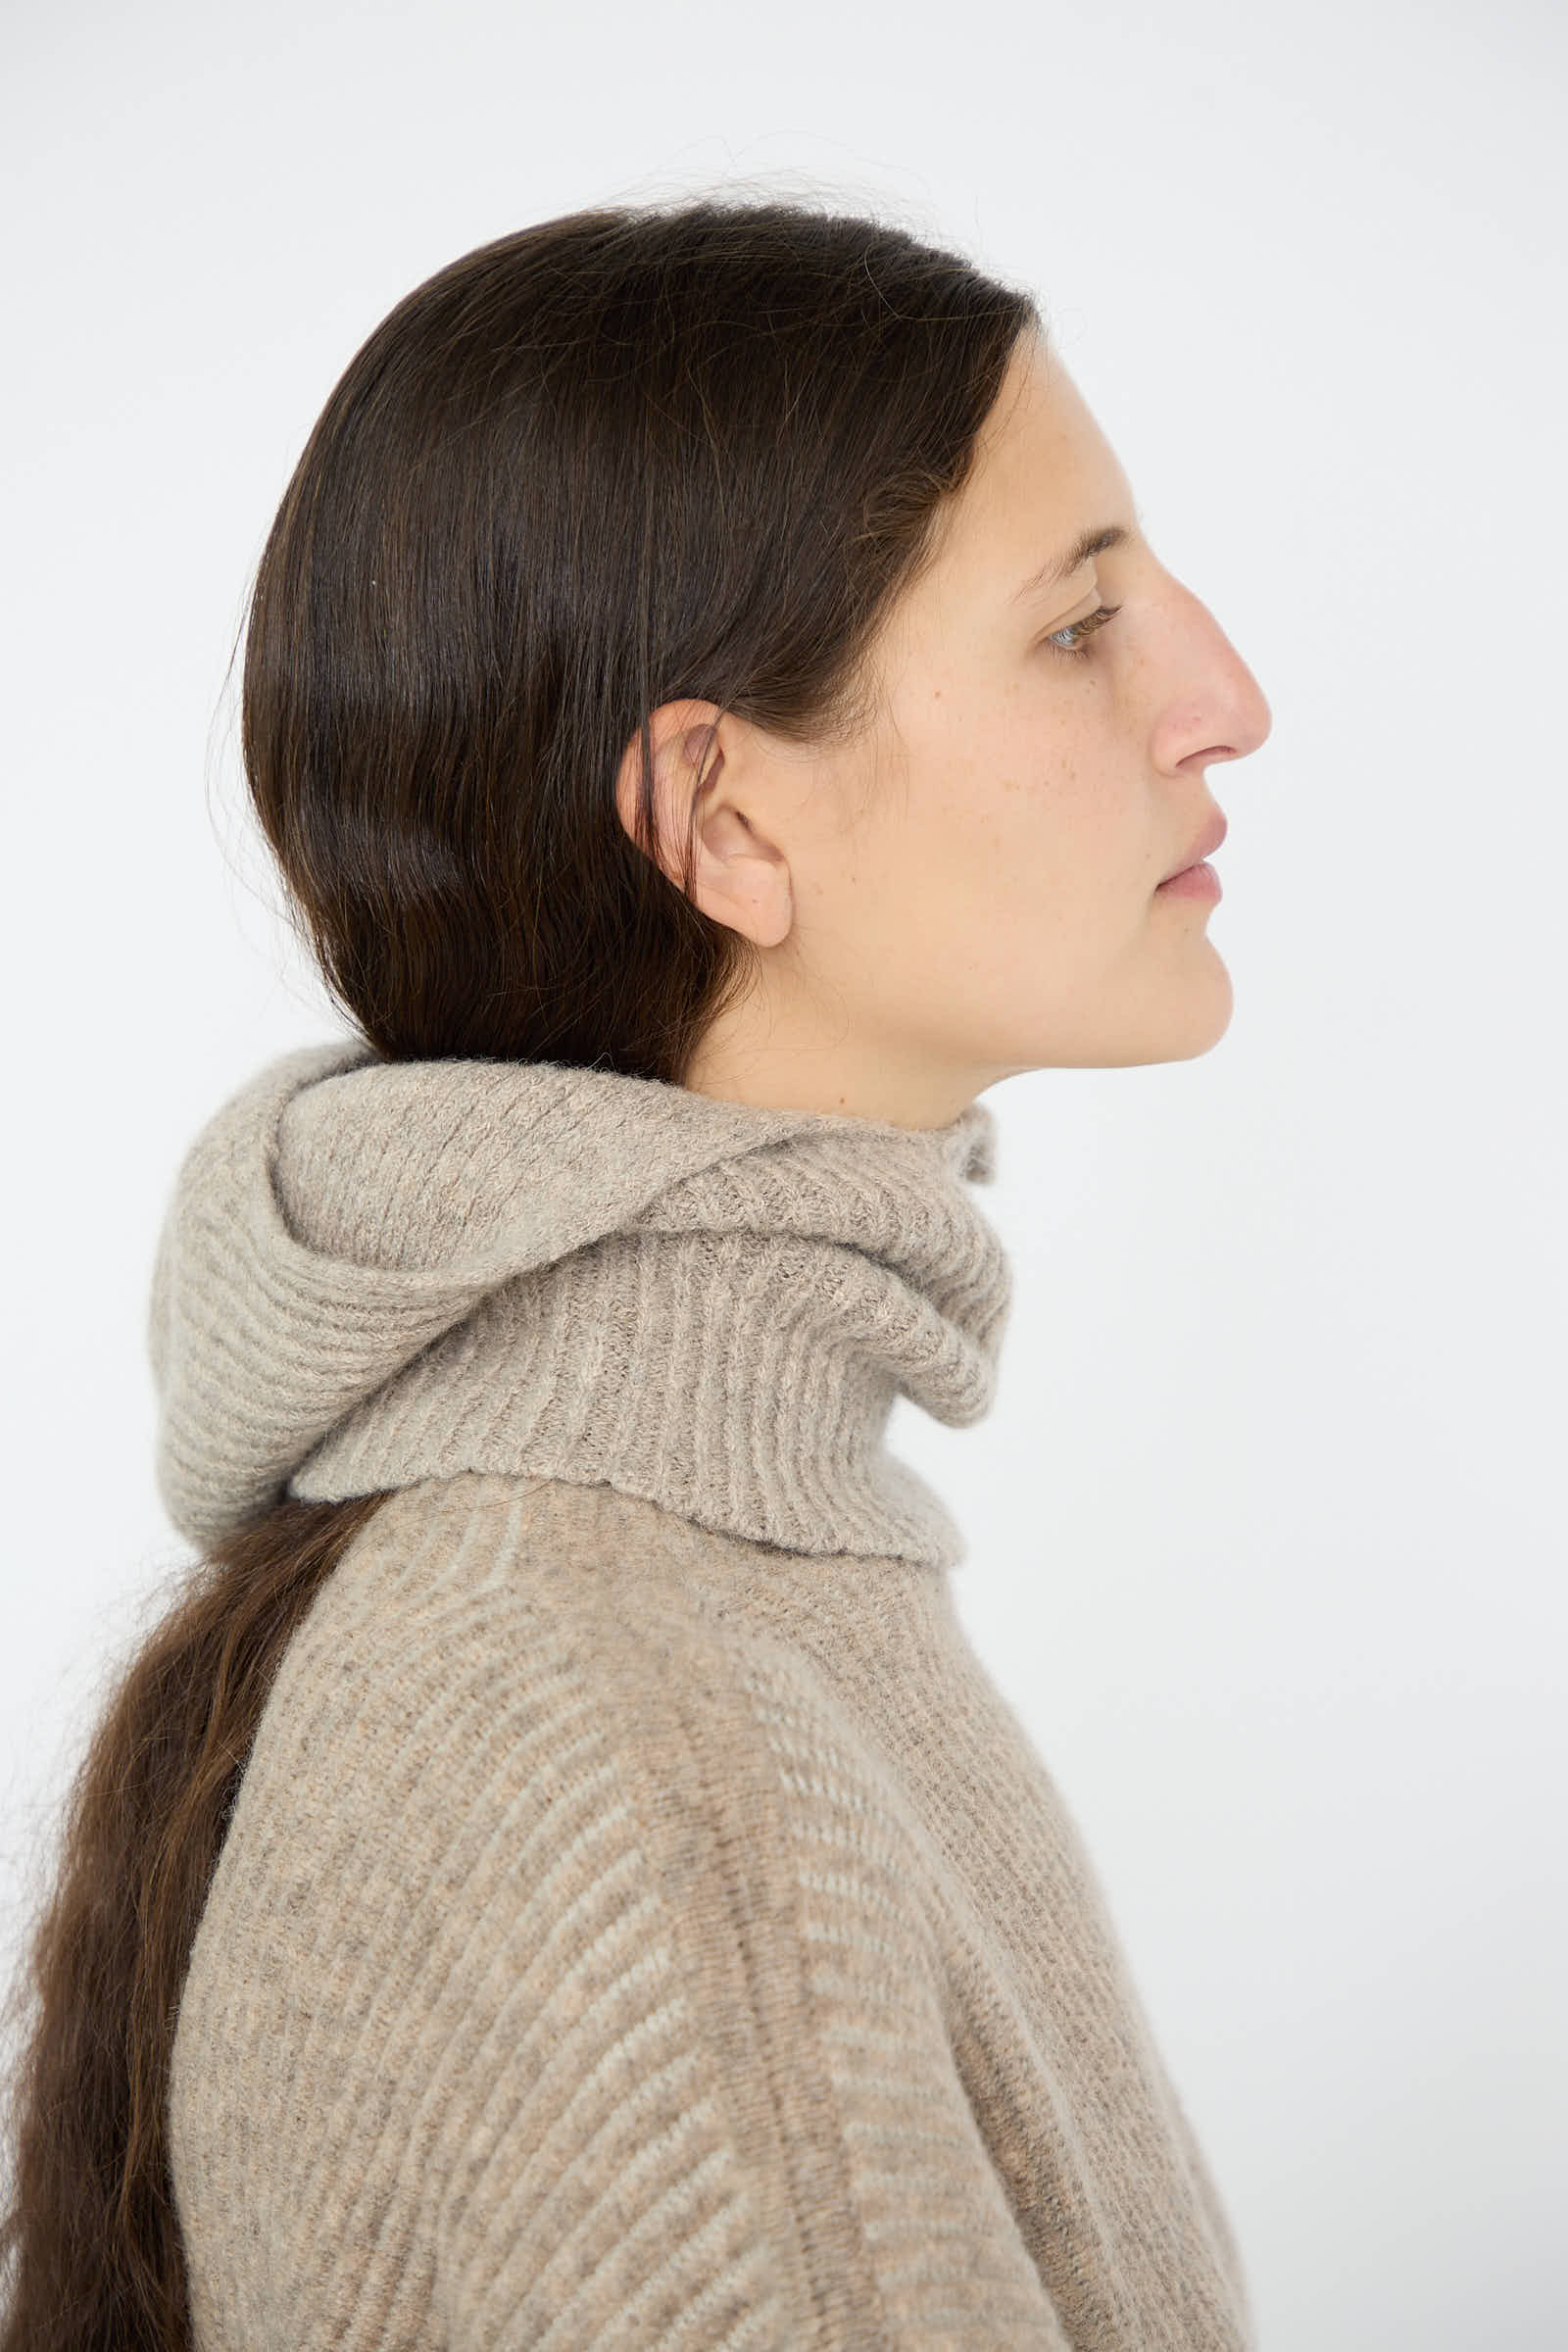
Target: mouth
(1198, 881)
(1208, 839)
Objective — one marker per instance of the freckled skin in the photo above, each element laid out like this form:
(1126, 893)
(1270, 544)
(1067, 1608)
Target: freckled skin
(967, 891)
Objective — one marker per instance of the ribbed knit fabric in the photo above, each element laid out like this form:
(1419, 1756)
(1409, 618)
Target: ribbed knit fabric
(642, 1921)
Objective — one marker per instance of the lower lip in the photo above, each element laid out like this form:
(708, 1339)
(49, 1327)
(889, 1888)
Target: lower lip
(1193, 882)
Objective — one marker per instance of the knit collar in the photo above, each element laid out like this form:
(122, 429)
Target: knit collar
(372, 1272)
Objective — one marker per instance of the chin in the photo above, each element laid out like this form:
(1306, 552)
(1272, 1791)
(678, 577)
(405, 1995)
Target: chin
(1210, 1021)
(1174, 1017)
(1194, 1015)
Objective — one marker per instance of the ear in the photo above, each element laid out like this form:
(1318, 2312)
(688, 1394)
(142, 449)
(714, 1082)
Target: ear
(740, 878)
(686, 750)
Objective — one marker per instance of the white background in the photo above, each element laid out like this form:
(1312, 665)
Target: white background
(1265, 1528)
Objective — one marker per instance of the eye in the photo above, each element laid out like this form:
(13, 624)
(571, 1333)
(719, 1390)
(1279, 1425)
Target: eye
(1081, 630)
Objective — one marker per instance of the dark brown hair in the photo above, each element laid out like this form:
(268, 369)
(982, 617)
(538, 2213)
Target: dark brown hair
(620, 458)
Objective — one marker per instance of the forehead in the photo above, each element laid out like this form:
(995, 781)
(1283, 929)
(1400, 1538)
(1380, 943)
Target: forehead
(1044, 469)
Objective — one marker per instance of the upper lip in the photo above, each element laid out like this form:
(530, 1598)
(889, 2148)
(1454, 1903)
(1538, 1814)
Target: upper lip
(1213, 833)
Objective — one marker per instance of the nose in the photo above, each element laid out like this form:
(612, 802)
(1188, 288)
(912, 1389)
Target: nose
(1234, 705)
(1255, 723)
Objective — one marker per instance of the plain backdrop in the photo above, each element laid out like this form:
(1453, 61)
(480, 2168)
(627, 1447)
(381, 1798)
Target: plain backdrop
(1267, 1526)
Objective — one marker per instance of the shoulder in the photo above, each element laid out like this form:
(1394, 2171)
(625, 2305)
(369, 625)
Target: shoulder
(447, 1681)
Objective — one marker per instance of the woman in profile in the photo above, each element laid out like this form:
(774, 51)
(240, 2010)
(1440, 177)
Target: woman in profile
(559, 1877)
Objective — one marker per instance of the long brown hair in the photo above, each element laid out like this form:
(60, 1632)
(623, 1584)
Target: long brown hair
(619, 457)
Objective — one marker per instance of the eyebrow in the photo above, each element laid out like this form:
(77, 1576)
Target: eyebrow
(1093, 542)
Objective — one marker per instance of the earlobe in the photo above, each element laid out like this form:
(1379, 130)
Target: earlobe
(743, 880)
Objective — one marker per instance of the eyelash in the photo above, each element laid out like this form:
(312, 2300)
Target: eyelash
(1081, 628)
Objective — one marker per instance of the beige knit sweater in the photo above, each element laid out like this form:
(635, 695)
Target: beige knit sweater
(643, 1922)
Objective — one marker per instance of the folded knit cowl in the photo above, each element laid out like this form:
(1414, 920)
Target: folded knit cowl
(377, 1272)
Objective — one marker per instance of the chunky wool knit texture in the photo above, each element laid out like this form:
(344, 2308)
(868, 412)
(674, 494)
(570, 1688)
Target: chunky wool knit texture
(642, 1921)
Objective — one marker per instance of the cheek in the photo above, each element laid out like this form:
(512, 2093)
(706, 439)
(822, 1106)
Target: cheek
(1044, 803)
(1009, 802)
